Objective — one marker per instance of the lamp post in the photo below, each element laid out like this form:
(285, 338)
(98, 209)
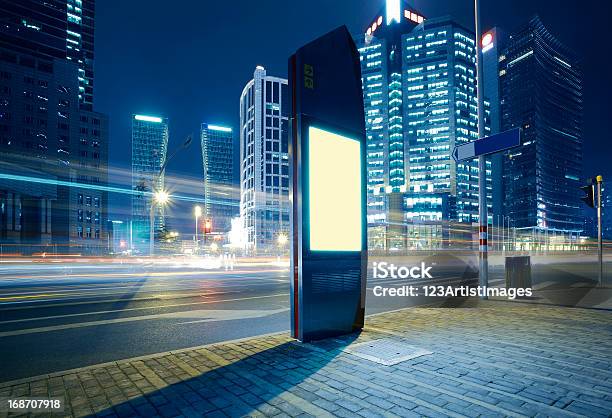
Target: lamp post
(154, 183)
(197, 212)
(160, 197)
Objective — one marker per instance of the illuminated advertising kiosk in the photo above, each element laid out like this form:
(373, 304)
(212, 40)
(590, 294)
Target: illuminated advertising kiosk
(328, 191)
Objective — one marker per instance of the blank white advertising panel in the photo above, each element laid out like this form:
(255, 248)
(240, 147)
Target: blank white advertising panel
(335, 191)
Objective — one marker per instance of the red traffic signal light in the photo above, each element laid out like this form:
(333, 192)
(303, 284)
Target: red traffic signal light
(207, 226)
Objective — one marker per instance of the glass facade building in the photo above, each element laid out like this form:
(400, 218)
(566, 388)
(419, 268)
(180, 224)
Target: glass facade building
(380, 52)
(220, 206)
(441, 113)
(149, 148)
(47, 136)
(80, 46)
(493, 42)
(264, 162)
(62, 29)
(420, 101)
(541, 92)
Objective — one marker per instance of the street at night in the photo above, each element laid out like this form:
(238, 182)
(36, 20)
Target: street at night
(139, 308)
(93, 311)
(374, 208)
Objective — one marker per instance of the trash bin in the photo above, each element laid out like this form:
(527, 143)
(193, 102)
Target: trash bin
(518, 272)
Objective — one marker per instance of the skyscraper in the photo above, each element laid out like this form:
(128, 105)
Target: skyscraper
(149, 147)
(80, 46)
(47, 135)
(541, 92)
(220, 205)
(62, 29)
(493, 42)
(420, 101)
(381, 54)
(264, 163)
(441, 112)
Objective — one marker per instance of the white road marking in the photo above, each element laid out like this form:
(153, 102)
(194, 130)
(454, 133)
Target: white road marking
(210, 315)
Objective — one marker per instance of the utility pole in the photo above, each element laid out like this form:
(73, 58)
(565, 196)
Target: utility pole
(599, 232)
(483, 271)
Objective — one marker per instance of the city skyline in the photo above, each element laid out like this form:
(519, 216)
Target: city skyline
(400, 172)
(157, 86)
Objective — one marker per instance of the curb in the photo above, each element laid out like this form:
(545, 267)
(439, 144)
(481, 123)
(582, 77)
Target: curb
(130, 359)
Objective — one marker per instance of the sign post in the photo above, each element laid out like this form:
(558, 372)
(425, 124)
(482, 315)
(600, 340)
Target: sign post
(480, 148)
(599, 233)
(483, 219)
(328, 192)
(488, 145)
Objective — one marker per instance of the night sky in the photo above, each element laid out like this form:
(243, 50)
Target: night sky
(189, 61)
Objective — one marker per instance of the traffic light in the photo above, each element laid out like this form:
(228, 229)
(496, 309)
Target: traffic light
(589, 198)
(207, 226)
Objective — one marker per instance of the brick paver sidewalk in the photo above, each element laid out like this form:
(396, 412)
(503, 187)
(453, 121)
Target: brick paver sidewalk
(502, 359)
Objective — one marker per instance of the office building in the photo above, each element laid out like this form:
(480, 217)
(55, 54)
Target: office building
(493, 42)
(420, 101)
(541, 92)
(34, 27)
(220, 197)
(264, 163)
(54, 148)
(62, 29)
(380, 49)
(441, 113)
(80, 46)
(149, 148)
(91, 152)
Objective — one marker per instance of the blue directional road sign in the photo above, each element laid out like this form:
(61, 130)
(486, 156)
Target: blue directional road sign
(488, 145)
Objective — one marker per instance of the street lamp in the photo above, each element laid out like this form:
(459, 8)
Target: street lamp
(197, 212)
(161, 196)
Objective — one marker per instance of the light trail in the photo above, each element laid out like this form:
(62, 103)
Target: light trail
(110, 189)
(129, 319)
(143, 274)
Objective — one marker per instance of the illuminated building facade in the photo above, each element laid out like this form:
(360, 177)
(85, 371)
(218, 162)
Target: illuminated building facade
(380, 51)
(420, 101)
(441, 112)
(541, 92)
(493, 42)
(47, 136)
(149, 148)
(80, 46)
(217, 150)
(264, 162)
(62, 29)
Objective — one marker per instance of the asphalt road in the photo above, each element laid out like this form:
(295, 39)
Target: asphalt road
(58, 316)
